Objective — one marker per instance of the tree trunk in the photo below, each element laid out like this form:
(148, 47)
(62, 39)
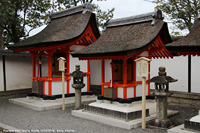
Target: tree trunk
(1, 39)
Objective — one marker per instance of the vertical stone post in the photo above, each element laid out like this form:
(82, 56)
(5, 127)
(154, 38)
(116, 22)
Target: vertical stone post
(77, 99)
(161, 107)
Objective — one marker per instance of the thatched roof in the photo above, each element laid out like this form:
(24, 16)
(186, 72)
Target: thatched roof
(63, 27)
(127, 36)
(189, 43)
(10, 53)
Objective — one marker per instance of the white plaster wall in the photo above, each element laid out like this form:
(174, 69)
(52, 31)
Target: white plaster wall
(130, 92)
(1, 74)
(46, 87)
(195, 74)
(120, 92)
(95, 69)
(139, 90)
(57, 87)
(176, 68)
(83, 68)
(44, 67)
(108, 71)
(18, 72)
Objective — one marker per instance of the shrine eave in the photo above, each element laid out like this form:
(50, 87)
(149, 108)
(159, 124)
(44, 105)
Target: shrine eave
(125, 38)
(64, 28)
(188, 45)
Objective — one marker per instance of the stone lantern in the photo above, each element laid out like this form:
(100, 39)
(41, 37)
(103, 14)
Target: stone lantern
(78, 84)
(161, 93)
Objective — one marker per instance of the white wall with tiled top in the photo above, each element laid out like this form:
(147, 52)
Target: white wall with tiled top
(18, 72)
(178, 69)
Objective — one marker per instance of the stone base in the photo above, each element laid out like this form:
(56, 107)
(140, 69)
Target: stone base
(162, 123)
(192, 125)
(126, 116)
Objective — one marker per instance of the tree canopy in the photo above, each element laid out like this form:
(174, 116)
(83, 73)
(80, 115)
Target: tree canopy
(19, 17)
(182, 12)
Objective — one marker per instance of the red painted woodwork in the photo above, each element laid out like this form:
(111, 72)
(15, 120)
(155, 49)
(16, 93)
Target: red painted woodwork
(149, 78)
(43, 87)
(50, 73)
(189, 53)
(88, 76)
(125, 79)
(116, 92)
(134, 77)
(68, 70)
(102, 76)
(33, 67)
(59, 46)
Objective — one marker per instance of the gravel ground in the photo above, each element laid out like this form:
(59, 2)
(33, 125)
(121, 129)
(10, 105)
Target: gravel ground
(60, 121)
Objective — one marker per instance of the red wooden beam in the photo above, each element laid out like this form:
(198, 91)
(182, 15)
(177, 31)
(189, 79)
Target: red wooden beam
(43, 87)
(68, 70)
(102, 76)
(33, 66)
(134, 77)
(125, 79)
(88, 76)
(50, 54)
(149, 77)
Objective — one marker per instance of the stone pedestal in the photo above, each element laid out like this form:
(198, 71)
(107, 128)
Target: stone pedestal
(193, 123)
(77, 99)
(161, 110)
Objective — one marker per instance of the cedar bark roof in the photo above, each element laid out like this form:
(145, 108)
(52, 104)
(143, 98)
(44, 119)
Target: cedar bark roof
(10, 53)
(63, 27)
(189, 43)
(127, 36)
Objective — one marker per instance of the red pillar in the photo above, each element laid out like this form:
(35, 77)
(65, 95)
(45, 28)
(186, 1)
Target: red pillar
(43, 87)
(88, 76)
(149, 78)
(125, 79)
(102, 76)
(50, 73)
(33, 67)
(68, 70)
(134, 77)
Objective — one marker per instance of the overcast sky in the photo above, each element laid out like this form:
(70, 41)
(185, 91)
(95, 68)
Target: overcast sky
(125, 8)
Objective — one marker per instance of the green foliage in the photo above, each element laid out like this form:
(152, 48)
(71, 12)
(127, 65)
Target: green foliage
(182, 12)
(102, 16)
(19, 17)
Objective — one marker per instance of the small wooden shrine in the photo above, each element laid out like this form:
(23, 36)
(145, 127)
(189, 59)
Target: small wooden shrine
(67, 32)
(187, 46)
(123, 41)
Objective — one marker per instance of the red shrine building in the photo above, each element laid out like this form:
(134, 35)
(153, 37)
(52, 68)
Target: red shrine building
(67, 32)
(123, 41)
(188, 45)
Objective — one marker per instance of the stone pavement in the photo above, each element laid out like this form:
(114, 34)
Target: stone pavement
(39, 104)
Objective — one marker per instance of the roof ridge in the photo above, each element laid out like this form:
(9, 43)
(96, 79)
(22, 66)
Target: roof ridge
(151, 16)
(81, 8)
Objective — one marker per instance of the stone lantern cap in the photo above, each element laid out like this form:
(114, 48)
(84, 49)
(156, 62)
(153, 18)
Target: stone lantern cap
(162, 78)
(77, 73)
